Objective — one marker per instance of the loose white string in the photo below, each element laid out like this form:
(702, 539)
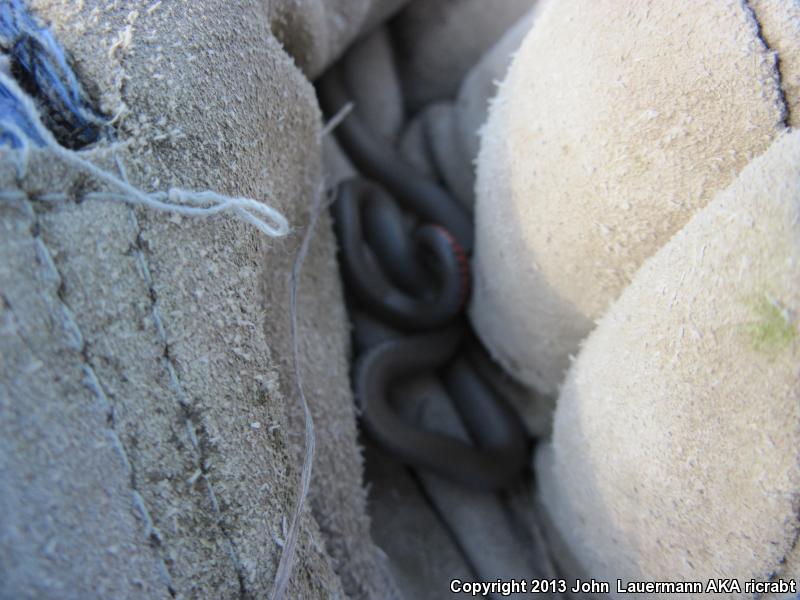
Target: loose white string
(185, 202)
(286, 561)
(336, 119)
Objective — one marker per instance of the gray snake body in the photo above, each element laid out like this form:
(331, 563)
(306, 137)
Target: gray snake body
(501, 448)
(410, 288)
(368, 283)
(376, 160)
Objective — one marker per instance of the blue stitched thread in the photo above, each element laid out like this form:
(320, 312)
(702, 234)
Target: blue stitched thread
(38, 62)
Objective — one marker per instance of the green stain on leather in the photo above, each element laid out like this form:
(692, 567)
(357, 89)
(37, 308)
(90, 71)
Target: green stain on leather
(772, 331)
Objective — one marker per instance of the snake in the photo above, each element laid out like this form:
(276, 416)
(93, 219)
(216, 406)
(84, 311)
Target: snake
(376, 160)
(406, 274)
(365, 279)
(501, 446)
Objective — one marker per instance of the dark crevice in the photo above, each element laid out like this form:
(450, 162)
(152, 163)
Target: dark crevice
(785, 110)
(26, 59)
(43, 70)
(793, 546)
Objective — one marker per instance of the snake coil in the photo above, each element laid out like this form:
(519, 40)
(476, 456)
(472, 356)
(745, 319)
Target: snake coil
(407, 275)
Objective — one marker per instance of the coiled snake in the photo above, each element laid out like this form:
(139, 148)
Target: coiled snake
(407, 274)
